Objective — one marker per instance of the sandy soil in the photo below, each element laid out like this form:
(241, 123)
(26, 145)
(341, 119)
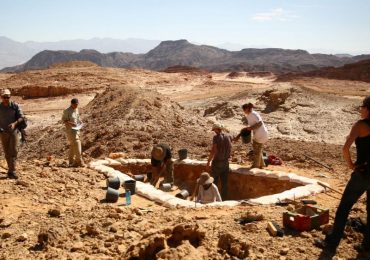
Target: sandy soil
(59, 212)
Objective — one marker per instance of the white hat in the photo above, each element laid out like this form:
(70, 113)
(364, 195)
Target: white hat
(5, 92)
(218, 126)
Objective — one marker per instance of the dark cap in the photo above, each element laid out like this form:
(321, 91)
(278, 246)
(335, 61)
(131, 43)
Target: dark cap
(74, 101)
(366, 102)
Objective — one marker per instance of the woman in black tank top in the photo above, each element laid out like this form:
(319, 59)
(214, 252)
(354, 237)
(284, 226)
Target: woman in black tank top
(358, 184)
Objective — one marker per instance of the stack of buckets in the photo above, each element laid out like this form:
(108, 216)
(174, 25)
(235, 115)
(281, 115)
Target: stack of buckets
(113, 185)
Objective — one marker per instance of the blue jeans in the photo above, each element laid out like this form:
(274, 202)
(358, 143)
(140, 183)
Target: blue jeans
(357, 185)
(220, 169)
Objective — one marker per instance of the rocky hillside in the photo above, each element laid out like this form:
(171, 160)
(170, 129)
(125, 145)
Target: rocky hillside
(181, 52)
(359, 71)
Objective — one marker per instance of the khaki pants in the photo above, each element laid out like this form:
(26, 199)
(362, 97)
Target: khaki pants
(257, 155)
(75, 150)
(10, 148)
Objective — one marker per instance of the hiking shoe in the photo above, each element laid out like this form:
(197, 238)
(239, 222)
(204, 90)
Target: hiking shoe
(361, 248)
(12, 175)
(320, 243)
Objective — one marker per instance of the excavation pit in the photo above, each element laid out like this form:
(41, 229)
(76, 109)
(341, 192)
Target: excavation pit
(256, 186)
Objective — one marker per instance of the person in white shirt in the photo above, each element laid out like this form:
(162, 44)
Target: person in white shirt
(260, 134)
(207, 190)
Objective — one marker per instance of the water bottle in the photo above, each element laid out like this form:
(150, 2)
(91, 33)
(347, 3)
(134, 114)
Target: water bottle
(128, 197)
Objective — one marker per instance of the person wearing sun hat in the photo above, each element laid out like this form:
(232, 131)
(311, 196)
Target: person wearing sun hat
(10, 117)
(162, 164)
(219, 155)
(207, 190)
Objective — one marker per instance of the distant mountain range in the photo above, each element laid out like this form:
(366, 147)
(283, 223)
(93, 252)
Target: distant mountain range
(181, 52)
(14, 53)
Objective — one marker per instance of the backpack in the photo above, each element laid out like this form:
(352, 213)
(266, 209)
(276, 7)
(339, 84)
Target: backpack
(22, 125)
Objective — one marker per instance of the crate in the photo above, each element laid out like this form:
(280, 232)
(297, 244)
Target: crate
(306, 218)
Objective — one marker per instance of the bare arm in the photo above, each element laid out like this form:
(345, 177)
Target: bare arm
(212, 154)
(347, 145)
(255, 126)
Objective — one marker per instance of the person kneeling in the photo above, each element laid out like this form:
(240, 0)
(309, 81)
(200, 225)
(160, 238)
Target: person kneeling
(207, 191)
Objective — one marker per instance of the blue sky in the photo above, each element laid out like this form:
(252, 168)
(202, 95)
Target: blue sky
(338, 26)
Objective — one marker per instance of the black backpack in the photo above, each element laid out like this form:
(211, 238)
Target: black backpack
(22, 125)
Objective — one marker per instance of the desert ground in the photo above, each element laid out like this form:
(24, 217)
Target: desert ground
(56, 212)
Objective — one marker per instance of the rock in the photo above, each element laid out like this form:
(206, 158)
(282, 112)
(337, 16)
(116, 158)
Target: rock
(233, 245)
(77, 246)
(5, 223)
(146, 248)
(113, 229)
(23, 237)
(54, 213)
(284, 251)
(250, 227)
(92, 230)
(327, 228)
(6, 234)
(48, 236)
(301, 249)
(22, 183)
(185, 251)
(306, 235)
(186, 232)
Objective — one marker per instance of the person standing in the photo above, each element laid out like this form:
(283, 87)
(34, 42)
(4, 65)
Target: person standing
(73, 124)
(162, 164)
(358, 184)
(260, 134)
(10, 117)
(219, 155)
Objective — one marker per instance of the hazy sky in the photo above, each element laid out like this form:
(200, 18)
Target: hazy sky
(314, 25)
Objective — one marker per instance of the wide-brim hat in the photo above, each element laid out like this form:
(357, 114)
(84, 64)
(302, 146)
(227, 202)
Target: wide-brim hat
(205, 179)
(158, 153)
(5, 92)
(218, 126)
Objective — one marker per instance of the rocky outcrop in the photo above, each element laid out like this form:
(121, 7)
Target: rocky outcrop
(355, 71)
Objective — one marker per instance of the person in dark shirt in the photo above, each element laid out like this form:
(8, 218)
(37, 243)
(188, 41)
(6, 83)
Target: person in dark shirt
(219, 155)
(358, 184)
(10, 117)
(162, 164)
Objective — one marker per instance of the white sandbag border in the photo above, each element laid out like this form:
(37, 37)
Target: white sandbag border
(148, 191)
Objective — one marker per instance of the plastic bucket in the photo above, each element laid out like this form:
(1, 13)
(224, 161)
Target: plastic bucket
(131, 186)
(246, 136)
(139, 178)
(112, 195)
(182, 194)
(165, 186)
(183, 154)
(114, 183)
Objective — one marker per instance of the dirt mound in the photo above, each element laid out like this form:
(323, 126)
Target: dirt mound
(185, 69)
(359, 71)
(74, 64)
(259, 74)
(235, 74)
(274, 99)
(131, 120)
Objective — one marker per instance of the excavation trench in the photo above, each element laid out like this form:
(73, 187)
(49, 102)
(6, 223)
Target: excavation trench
(244, 184)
